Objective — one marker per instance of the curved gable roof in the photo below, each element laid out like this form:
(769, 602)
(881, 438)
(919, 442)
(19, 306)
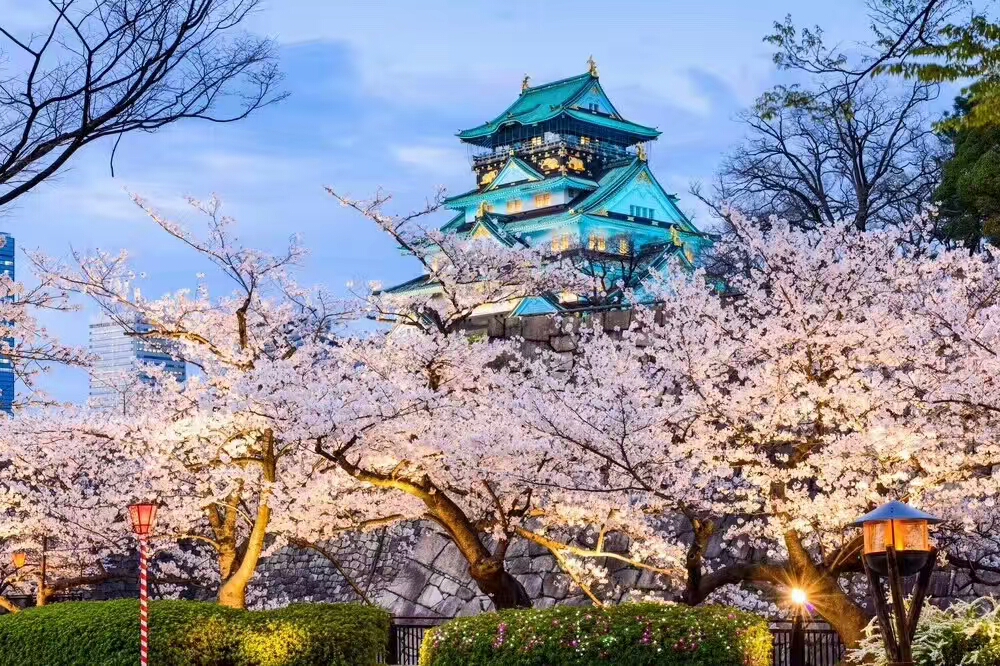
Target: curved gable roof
(547, 101)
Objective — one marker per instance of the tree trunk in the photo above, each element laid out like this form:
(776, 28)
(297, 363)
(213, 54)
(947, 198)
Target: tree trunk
(8, 605)
(233, 592)
(846, 617)
(494, 581)
(486, 568)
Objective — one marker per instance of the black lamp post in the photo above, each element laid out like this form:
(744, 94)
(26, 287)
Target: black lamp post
(897, 545)
(797, 648)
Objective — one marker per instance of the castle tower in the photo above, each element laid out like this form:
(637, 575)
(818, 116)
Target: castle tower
(562, 169)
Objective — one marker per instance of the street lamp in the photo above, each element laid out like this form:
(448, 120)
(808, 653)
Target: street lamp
(143, 518)
(897, 545)
(797, 649)
(20, 559)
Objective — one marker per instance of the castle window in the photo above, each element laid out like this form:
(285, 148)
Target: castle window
(593, 106)
(584, 140)
(641, 211)
(536, 141)
(543, 200)
(597, 243)
(623, 245)
(515, 206)
(561, 242)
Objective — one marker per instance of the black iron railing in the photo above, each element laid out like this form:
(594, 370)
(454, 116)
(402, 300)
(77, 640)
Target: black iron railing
(405, 636)
(822, 644)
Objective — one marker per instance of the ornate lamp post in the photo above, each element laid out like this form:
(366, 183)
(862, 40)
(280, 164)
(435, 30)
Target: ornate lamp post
(897, 545)
(143, 517)
(797, 649)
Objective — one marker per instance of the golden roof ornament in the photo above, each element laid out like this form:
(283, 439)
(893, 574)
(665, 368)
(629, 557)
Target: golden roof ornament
(483, 209)
(642, 152)
(676, 237)
(592, 64)
(526, 83)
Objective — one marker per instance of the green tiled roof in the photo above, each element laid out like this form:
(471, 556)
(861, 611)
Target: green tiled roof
(473, 197)
(625, 126)
(545, 102)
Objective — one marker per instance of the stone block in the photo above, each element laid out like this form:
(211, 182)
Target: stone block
(543, 564)
(452, 563)
(627, 578)
(534, 549)
(430, 597)
(532, 584)
(449, 587)
(409, 584)
(556, 586)
(538, 329)
(449, 607)
(562, 343)
(428, 547)
(518, 565)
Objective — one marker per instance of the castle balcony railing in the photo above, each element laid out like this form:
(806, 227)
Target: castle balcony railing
(528, 147)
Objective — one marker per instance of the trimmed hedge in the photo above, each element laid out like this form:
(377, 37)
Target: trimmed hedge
(189, 633)
(646, 634)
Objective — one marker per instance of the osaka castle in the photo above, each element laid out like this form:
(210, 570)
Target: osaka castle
(561, 168)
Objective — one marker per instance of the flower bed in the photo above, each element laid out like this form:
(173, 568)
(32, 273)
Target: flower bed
(627, 635)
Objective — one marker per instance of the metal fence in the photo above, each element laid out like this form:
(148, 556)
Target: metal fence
(823, 646)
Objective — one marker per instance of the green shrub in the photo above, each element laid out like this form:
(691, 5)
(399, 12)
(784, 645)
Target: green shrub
(188, 633)
(964, 634)
(627, 635)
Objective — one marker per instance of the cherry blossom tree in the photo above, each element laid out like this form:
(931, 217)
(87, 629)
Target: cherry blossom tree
(68, 475)
(221, 452)
(415, 407)
(837, 372)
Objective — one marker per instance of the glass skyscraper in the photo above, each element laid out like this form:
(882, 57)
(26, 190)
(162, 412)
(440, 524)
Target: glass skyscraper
(6, 367)
(120, 358)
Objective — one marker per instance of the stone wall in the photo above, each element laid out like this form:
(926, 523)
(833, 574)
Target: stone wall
(336, 572)
(429, 579)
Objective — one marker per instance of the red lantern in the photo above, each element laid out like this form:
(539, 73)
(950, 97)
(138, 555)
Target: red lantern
(143, 516)
(20, 559)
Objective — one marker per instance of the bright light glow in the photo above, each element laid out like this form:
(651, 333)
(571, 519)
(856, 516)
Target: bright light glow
(799, 597)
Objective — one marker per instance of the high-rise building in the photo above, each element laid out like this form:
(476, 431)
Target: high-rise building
(6, 367)
(562, 169)
(120, 357)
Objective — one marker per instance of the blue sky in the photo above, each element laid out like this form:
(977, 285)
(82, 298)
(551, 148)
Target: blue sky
(378, 90)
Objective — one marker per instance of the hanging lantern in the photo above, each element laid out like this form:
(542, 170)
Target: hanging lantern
(20, 559)
(903, 528)
(143, 517)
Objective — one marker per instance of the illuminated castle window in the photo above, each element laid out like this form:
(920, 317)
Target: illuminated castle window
(515, 206)
(561, 242)
(536, 141)
(598, 243)
(543, 200)
(584, 140)
(624, 246)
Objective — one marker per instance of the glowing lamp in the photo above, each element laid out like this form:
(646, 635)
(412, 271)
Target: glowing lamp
(904, 529)
(143, 517)
(799, 596)
(20, 559)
